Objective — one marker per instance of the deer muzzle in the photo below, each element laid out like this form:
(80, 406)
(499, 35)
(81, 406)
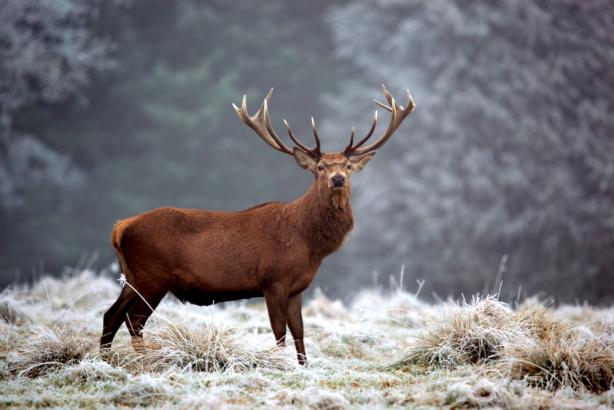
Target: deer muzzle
(337, 181)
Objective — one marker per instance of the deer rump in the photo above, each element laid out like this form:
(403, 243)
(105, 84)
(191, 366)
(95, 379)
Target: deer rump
(205, 257)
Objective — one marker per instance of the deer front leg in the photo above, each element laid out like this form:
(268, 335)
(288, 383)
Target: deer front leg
(295, 323)
(277, 305)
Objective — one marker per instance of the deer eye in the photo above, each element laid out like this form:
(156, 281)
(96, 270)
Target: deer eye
(320, 167)
(349, 166)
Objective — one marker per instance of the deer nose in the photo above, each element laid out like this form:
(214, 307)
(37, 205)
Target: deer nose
(338, 180)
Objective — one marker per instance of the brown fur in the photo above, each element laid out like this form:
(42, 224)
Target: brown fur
(272, 250)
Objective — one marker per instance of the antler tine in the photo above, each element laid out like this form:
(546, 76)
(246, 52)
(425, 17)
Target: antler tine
(294, 139)
(410, 102)
(351, 146)
(392, 103)
(397, 114)
(370, 132)
(261, 123)
(267, 122)
(316, 150)
(384, 106)
(352, 137)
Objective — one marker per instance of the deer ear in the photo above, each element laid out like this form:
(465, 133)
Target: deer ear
(304, 160)
(359, 162)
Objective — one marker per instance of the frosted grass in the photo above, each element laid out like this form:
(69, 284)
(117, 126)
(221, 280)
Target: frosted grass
(383, 349)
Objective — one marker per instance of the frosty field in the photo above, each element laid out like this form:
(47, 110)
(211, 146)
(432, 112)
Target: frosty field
(384, 349)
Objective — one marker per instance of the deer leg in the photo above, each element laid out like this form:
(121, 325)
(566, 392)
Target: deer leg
(295, 323)
(137, 316)
(277, 306)
(113, 317)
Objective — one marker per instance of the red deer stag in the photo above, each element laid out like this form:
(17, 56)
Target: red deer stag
(272, 250)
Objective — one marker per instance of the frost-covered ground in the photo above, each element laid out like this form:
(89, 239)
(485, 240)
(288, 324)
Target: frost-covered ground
(384, 349)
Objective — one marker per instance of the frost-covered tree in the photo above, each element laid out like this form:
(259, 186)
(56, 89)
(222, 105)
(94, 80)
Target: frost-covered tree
(159, 128)
(48, 50)
(509, 151)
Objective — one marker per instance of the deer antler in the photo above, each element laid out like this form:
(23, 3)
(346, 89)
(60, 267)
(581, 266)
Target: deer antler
(314, 152)
(261, 124)
(398, 114)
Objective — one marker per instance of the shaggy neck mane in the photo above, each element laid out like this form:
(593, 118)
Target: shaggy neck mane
(324, 218)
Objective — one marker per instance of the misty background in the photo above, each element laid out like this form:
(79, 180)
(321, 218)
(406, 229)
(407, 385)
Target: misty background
(505, 171)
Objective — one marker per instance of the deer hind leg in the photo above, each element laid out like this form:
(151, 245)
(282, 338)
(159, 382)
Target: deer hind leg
(277, 306)
(114, 317)
(137, 316)
(295, 323)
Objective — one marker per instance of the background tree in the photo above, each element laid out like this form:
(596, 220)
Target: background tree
(159, 128)
(48, 51)
(508, 152)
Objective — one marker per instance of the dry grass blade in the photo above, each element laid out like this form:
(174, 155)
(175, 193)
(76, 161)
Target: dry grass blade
(466, 334)
(10, 311)
(207, 346)
(530, 344)
(143, 391)
(49, 348)
(91, 370)
(556, 364)
(561, 356)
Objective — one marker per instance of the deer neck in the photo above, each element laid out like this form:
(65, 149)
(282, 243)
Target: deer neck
(324, 218)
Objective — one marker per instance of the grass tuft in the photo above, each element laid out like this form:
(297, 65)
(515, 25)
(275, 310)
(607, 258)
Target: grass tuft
(206, 346)
(10, 311)
(313, 399)
(467, 333)
(143, 391)
(530, 344)
(91, 370)
(47, 349)
(564, 360)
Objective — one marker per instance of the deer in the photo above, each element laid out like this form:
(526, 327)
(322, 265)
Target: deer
(272, 250)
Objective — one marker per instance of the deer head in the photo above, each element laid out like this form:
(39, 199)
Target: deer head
(332, 170)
